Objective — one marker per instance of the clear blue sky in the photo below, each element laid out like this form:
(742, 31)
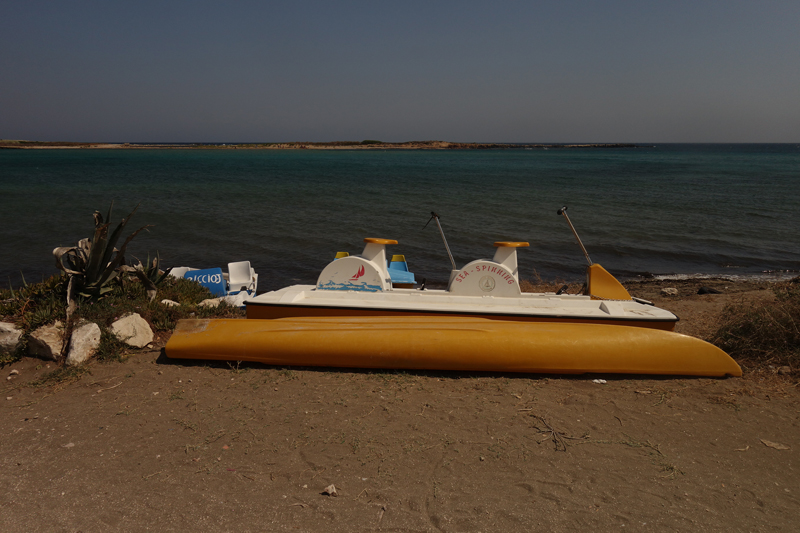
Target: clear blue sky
(528, 71)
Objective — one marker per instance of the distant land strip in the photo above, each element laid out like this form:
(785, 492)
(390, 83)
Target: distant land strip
(337, 145)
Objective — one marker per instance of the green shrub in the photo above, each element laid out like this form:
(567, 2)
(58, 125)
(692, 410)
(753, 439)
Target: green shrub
(39, 304)
(111, 348)
(131, 297)
(36, 304)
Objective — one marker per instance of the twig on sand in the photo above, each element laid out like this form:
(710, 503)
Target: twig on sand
(558, 437)
(554, 435)
(317, 471)
(366, 415)
(151, 475)
(639, 444)
(109, 388)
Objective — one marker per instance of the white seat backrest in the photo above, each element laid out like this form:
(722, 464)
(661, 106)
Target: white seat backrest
(239, 272)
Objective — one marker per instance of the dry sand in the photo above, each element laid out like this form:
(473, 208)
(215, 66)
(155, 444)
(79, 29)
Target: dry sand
(152, 444)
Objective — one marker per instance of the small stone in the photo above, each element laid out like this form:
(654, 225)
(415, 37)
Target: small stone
(9, 397)
(14, 372)
(785, 370)
(669, 291)
(775, 445)
(330, 490)
(46, 342)
(9, 337)
(133, 330)
(169, 303)
(83, 344)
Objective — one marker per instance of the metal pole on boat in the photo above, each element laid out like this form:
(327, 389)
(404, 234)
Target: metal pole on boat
(563, 211)
(435, 217)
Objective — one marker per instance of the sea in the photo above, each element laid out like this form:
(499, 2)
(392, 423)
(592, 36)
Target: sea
(654, 210)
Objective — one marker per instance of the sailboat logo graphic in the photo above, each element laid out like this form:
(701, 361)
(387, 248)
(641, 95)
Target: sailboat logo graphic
(486, 284)
(358, 274)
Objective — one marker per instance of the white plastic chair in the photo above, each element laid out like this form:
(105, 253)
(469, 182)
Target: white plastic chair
(241, 277)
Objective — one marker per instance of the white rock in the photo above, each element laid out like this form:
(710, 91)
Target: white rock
(211, 302)
(133, 330)
(83, 344)
(169, 303)
(9, 337)
(46, 342)
(669, 291)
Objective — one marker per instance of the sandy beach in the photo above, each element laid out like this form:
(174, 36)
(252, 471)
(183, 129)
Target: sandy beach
(151, 443)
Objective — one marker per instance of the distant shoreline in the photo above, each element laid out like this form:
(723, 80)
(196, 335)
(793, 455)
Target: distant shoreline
(338, 145)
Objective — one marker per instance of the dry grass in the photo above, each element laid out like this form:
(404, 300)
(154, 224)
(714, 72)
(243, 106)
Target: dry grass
(763, 332)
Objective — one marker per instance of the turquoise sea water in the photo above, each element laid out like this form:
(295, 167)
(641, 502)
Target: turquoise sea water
(731, 210)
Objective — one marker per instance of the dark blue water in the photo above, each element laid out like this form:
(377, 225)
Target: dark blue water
(730, 210)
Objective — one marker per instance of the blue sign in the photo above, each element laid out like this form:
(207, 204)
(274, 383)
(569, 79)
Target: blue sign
(211, 278)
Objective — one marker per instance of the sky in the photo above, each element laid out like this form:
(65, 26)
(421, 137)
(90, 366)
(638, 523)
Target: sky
(465, 71)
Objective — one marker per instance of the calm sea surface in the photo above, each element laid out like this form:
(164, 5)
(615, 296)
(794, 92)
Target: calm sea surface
(731, 210)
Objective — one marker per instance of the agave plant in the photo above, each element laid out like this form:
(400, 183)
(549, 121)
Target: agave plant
(93, 264)
(150, 274)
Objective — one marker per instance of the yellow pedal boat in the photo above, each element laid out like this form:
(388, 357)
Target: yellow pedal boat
(450, 343)
(355, 317)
